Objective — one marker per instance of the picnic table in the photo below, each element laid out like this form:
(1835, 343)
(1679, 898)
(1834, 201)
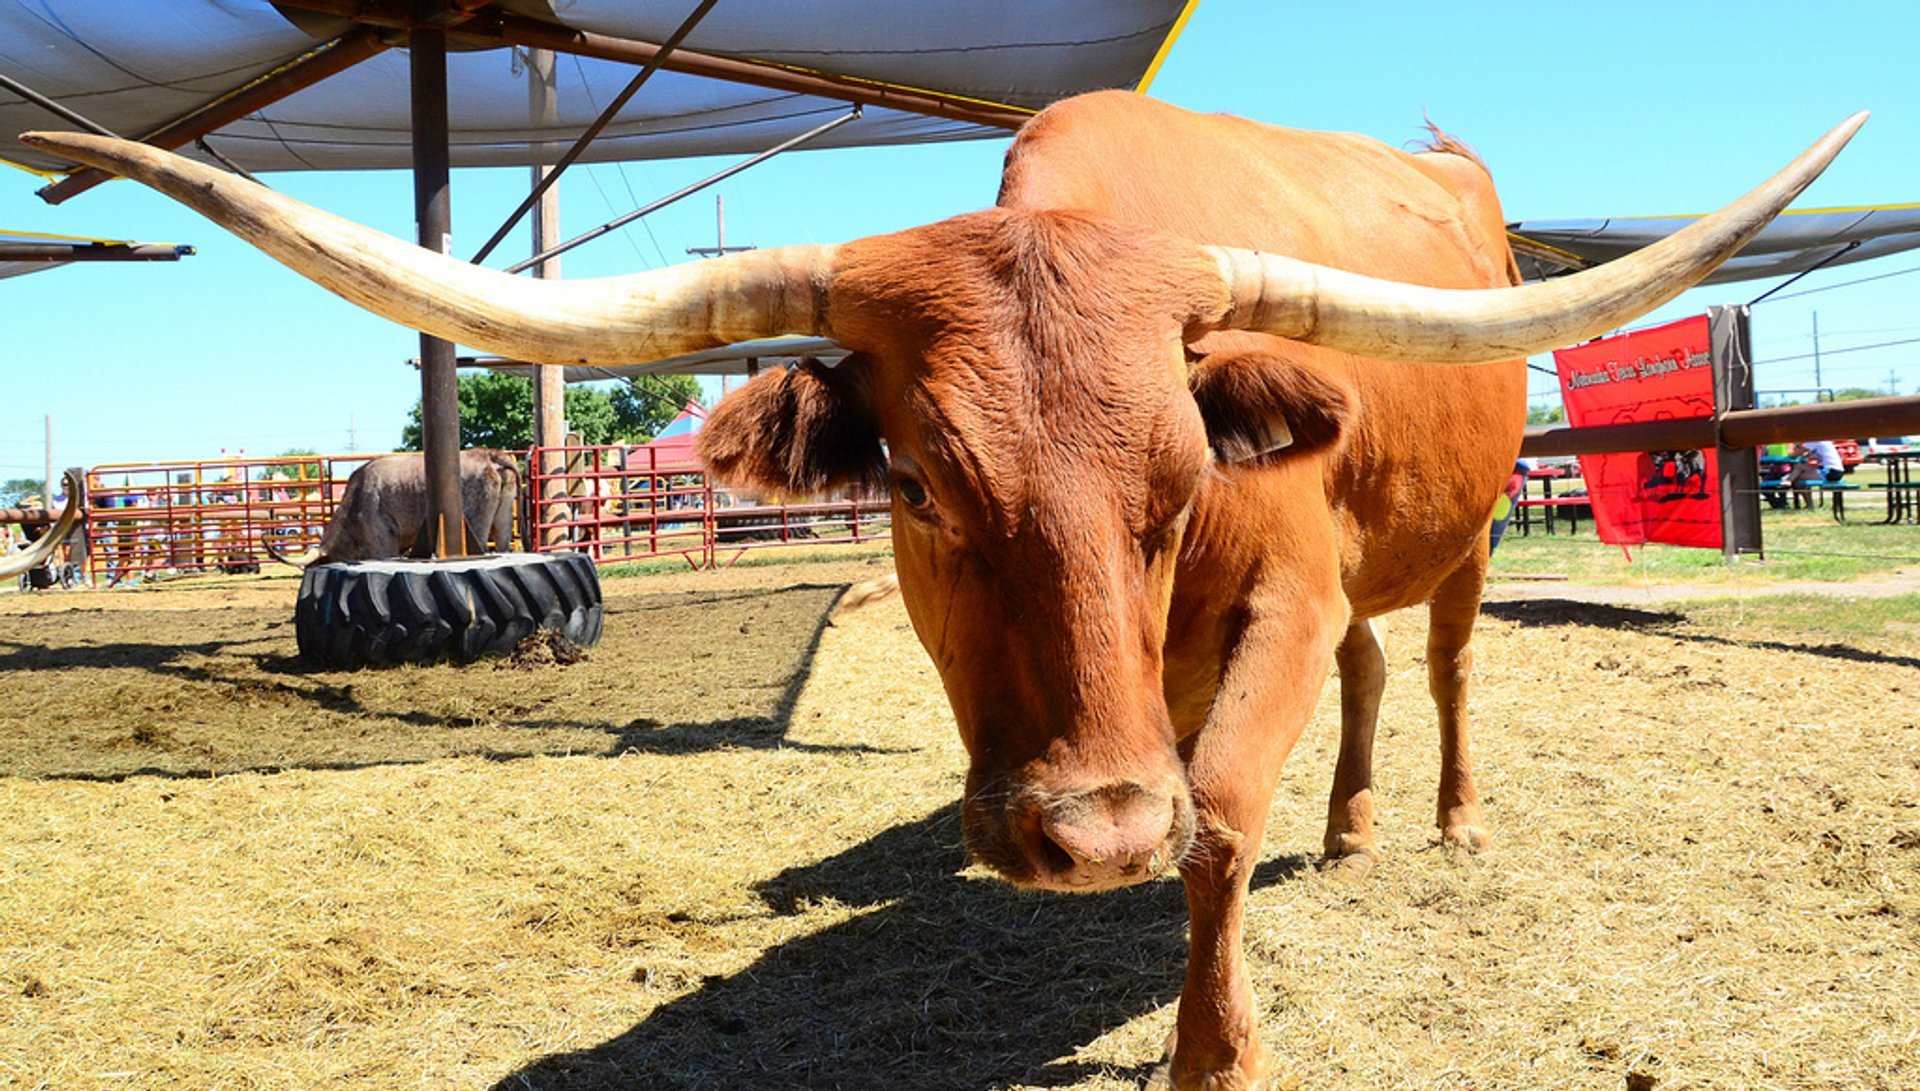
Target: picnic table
(1567, 507)
(1903, 485)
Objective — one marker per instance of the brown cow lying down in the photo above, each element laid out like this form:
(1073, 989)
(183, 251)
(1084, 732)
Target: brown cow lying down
(1163, 433)
(384, 508)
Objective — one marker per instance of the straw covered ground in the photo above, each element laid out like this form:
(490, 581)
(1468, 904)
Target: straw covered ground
(723, 852)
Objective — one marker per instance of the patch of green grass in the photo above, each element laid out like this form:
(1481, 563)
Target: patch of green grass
(1800, 545)
(1890, 624)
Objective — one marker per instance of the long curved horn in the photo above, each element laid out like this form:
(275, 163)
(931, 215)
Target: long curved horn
(611, 320)
(38, 553)
(302, 561)
(1371, 317)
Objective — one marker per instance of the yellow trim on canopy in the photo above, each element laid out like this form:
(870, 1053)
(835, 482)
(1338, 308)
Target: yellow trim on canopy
(1788, 212)
(51, 176)
(65, 238)
(1166, 47)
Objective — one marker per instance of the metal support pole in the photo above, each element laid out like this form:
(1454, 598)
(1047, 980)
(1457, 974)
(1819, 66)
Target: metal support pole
(53, 107)
(1729, 341)
(432, 209)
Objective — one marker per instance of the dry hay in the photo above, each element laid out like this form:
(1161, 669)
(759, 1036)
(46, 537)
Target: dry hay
(730, 859)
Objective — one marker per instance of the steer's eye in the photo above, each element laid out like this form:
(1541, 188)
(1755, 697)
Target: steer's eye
(911, 491)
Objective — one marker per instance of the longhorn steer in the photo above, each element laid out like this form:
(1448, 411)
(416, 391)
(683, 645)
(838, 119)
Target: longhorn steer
(383, 509)
(1149, 481)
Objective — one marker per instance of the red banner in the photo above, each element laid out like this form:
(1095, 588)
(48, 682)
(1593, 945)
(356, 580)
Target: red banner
(1657, 374)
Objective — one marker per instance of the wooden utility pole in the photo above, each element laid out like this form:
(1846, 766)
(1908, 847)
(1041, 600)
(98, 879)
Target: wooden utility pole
(719, 248)
(549, 381)
(720, 233)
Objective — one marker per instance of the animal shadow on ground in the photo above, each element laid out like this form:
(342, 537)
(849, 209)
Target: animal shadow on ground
(942, 981)
(1547, 613)
(677, 673)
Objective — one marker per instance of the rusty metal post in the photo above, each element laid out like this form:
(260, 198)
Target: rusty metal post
(432, 209)
(1730, 356)
(79, 546)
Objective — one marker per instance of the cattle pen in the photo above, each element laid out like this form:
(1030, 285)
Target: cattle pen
(723, 851)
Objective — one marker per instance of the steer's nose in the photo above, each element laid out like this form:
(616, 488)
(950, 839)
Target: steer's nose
(1107, 837)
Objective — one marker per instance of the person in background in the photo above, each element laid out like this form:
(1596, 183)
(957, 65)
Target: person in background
(1819, 461)
(1825, 458)
(1504, 503)
(1774, 473)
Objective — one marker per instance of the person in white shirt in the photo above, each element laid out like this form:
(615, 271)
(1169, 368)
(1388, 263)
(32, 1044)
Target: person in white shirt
(1825, 458)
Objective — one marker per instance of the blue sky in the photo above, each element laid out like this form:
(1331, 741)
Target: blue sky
(1580, 110)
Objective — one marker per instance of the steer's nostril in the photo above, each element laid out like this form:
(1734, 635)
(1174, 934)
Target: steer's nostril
(1057, 859)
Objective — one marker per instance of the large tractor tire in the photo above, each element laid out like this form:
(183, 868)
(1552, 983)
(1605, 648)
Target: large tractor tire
(371, 613)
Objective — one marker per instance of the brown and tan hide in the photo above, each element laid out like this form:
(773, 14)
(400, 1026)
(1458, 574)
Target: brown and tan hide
(1153, 468)
(383, 509)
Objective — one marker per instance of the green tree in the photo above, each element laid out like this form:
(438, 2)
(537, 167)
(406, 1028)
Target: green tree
(12, 491)
(644, 405)
(1857, 394)
(496, 410)
(300, 465)
(1546, 414)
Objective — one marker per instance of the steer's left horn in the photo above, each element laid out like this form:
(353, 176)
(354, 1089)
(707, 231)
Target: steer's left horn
(1370, 317)
(39, 552)
(611, 320)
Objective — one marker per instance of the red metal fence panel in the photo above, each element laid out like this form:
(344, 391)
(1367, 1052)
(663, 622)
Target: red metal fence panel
(212, 515)
(619, 503)
(615, 503)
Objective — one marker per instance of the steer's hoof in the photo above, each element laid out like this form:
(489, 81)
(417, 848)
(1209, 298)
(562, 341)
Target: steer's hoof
(1161, 1079)
(1351, 866)
(1468, 835)
(1253, 1076)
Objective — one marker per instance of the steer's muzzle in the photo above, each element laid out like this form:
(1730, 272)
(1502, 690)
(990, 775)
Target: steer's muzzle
(1098, 838)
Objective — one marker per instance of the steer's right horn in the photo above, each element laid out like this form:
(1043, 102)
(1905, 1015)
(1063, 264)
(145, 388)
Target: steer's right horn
(610, 320)
(41, 551)
(1380, 318)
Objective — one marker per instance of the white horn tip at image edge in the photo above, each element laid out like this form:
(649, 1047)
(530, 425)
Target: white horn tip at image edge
(39, 552)
(1367, 316)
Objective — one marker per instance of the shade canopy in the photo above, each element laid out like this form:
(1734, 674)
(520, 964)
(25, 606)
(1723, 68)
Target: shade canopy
(1793, 243)
(742, 80)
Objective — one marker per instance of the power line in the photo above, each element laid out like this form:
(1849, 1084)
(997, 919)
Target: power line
(1845, 284)
(1836, 352)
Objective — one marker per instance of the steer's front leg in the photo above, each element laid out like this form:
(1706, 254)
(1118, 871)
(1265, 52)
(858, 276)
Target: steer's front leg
(1264, 700)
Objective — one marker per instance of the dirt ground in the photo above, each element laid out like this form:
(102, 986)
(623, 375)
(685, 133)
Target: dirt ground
(723, 852)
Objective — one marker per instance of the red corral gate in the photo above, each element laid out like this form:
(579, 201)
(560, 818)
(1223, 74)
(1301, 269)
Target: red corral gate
(614, 503)
(148, 517)
(624, 503)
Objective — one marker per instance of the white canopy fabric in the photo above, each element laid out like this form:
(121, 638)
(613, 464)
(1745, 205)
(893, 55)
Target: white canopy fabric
(1794, 243)
(134, 67)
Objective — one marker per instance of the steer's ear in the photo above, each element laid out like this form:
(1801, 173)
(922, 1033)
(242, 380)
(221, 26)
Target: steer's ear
(1260, 403)
(804, 431)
